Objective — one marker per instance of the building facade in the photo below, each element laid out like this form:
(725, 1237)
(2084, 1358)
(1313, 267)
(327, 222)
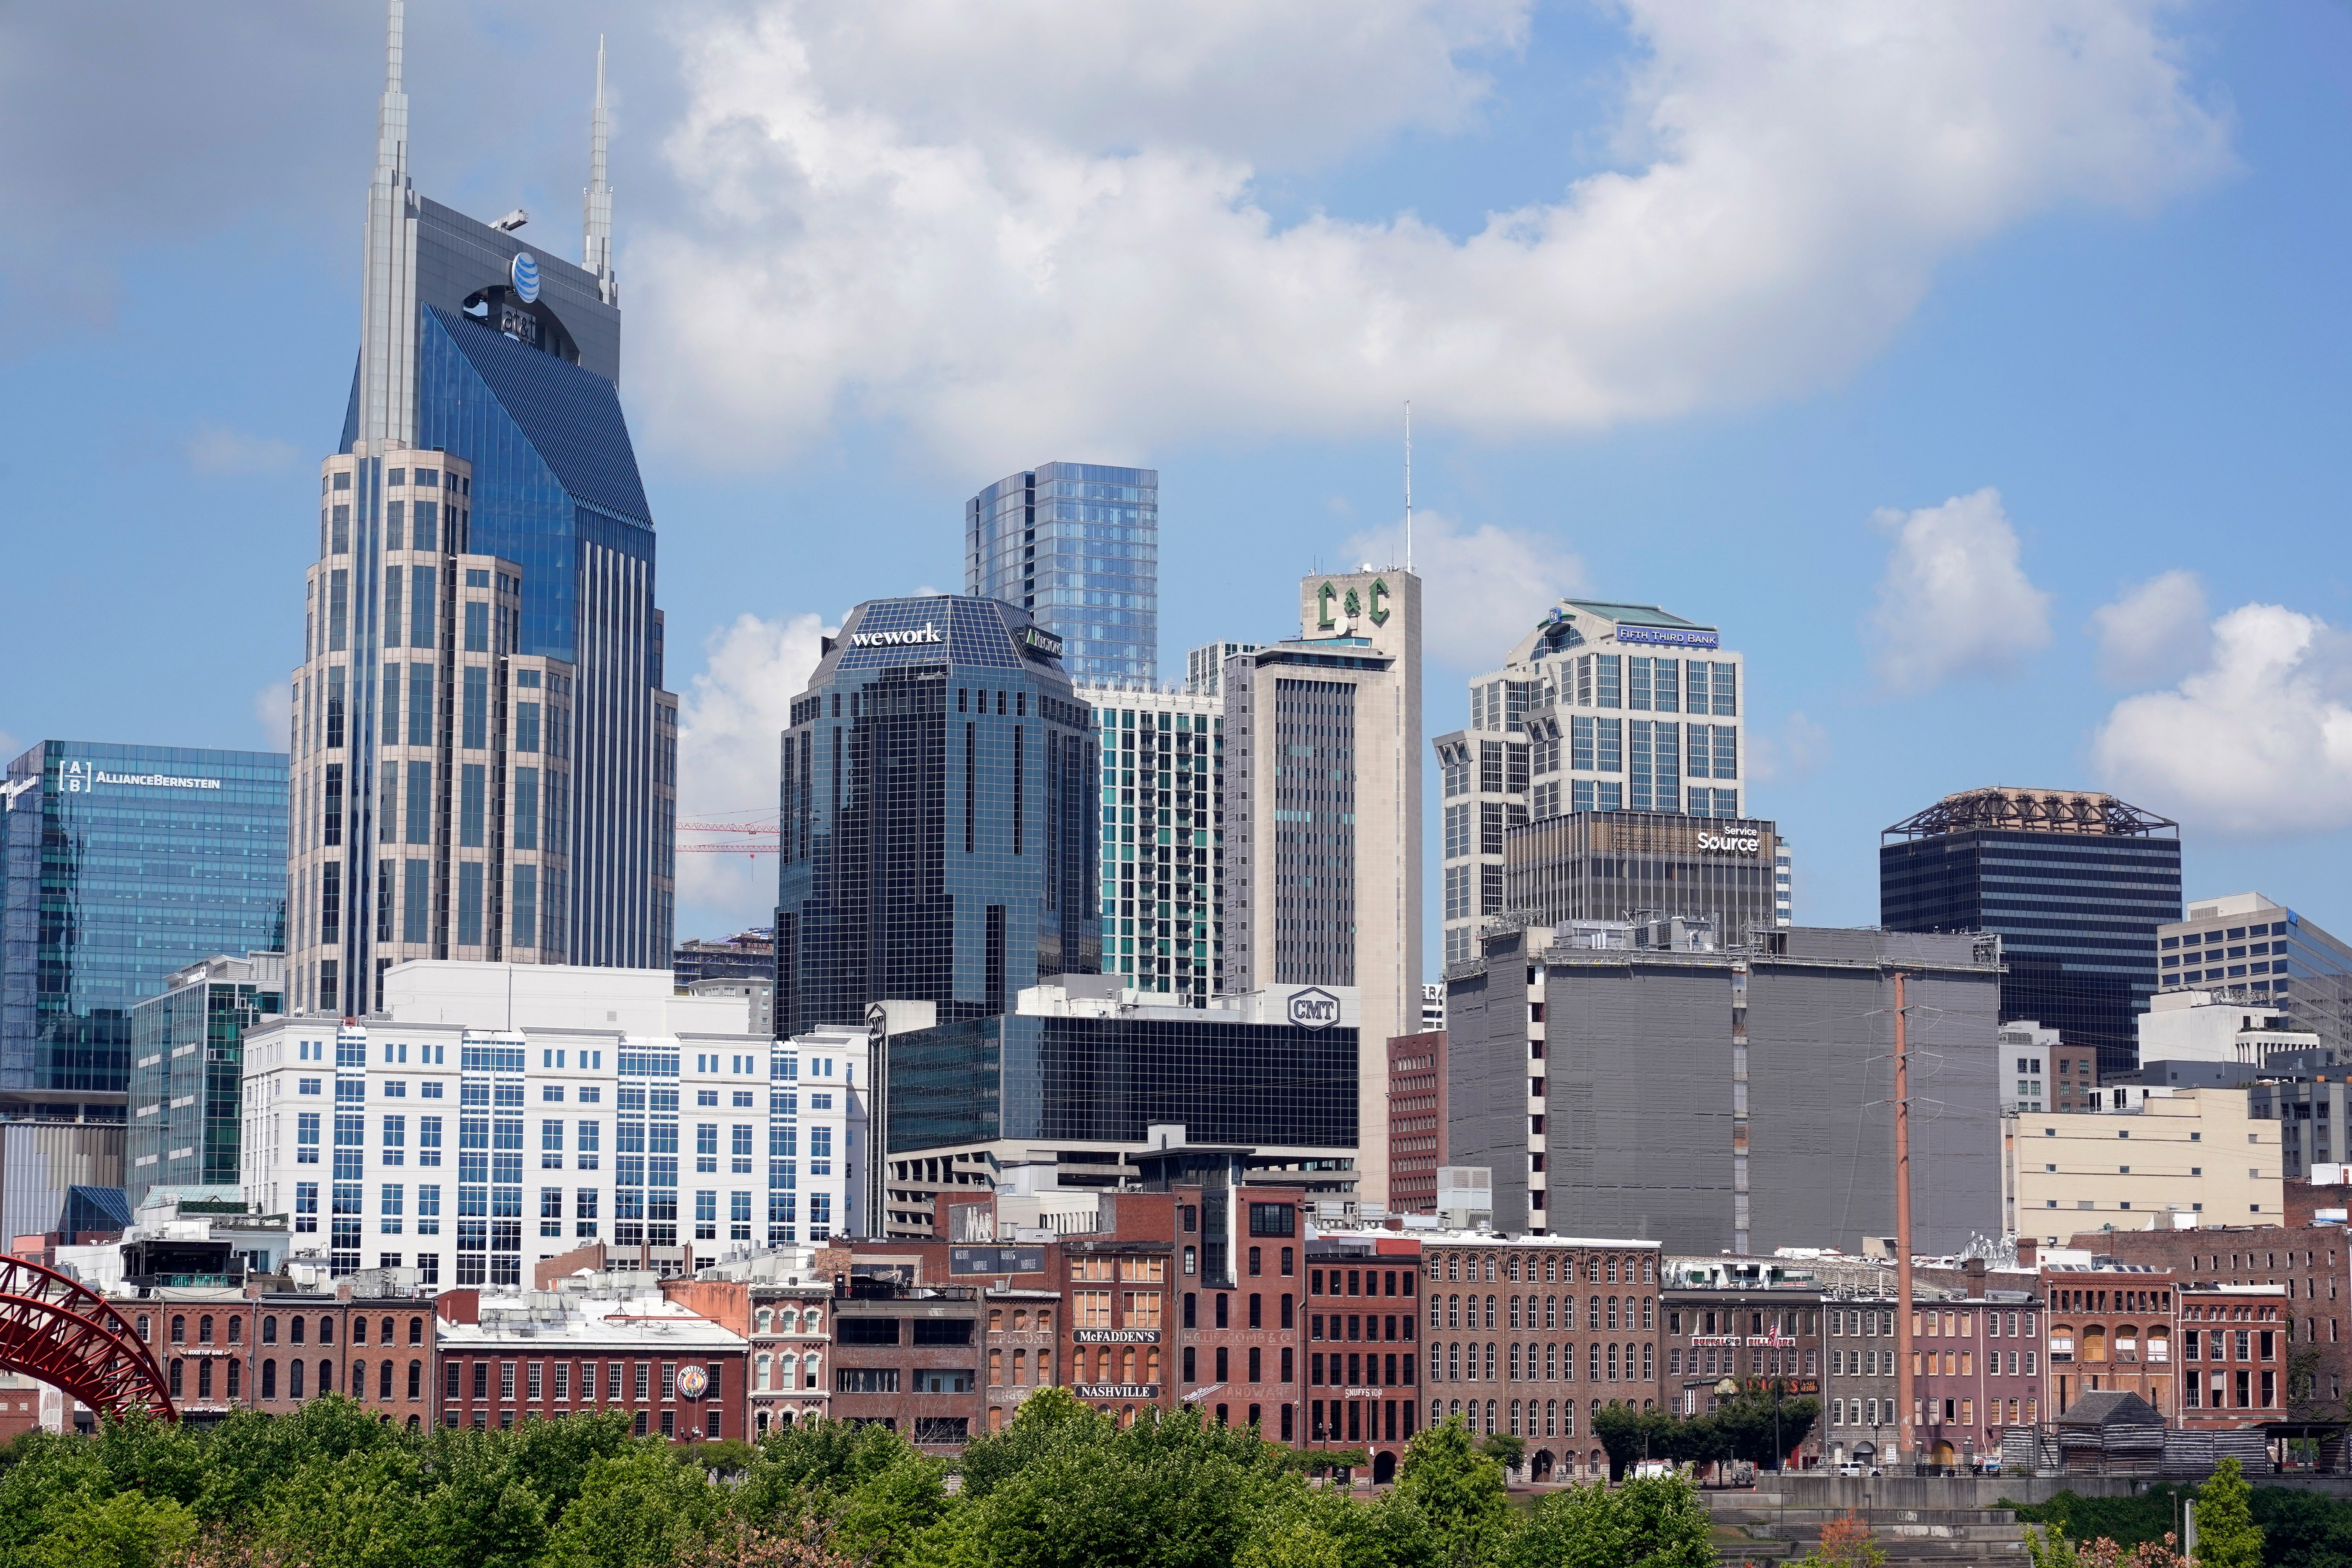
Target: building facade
(1784, 893)
(746, 955)
(1569, 724)
(2266, 956)
(1416, 1121)
(187, 1070)
(1076, 1078)
(1629, 864)
(2075, 884)
(1163, 804)
(937, 830)
(495, 1114)
(1722, 1098)
(484, 758)
(1076, 545)
(1324, 821)
(2164, 1157)
(1754, 1321)
(505, 1361)
(2233, 1025)
(119, 866)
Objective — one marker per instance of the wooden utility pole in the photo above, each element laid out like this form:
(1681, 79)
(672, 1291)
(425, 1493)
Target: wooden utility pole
(1905, 1431)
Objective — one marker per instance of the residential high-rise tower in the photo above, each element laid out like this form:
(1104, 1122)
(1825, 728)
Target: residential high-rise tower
(1078, 546)
(483, 755)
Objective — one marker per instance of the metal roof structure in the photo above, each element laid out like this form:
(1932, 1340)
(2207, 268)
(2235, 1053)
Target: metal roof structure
(2005, 807)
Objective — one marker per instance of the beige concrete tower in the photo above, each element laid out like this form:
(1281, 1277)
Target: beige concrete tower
(1323, 819)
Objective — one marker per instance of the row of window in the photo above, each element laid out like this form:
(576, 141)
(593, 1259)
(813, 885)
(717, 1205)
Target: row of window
(1456, 1363)
(296, 1328)
(1557, 1311)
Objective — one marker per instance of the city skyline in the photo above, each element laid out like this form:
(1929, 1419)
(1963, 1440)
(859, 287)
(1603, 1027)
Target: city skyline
(2170, 318)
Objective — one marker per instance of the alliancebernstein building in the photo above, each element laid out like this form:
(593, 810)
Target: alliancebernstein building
(484, 757)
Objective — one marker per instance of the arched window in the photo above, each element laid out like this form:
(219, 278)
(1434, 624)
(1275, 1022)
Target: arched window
(767, 1318)
(294, 1379)
(326, 1377)
(2094, 1341)
(383, 1381)
(235, 1367)
(359, 1332)
(416, 1330)
(2159, 1342)
(236, 1330)
(204, 1330)
(2127, 1342)
(179, 1329)
(326, 1330)
(269, 1379)
(809, 1373)
(385, 1337)
(761, 1367)
(417, 1381)
(269, 1330)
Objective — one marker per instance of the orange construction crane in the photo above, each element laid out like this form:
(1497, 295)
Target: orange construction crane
(750, 831)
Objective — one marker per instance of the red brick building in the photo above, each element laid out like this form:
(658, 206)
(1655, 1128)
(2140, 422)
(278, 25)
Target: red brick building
(1416, 1121)
(1362, 1344)
(502, 1361)
(2233, 1355)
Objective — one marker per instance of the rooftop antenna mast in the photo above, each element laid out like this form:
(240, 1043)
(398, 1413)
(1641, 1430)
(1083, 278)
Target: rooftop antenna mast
(1408, 484)
(596, 244)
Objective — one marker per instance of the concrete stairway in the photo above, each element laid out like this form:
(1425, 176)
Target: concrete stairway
(1753, 1527)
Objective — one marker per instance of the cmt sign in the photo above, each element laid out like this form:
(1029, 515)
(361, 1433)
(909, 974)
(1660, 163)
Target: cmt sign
(1314, 1009)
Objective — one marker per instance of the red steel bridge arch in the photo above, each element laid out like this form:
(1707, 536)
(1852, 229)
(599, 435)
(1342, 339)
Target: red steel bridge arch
(71, 1337)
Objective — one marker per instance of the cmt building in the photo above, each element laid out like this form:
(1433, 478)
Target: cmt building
(1721, 1097)
(485, 759)
(1571, 723)
(1323, 820)
(2075, 884)
(121, 866)
(937, 827)
(1078, 546)
(1068, 1087)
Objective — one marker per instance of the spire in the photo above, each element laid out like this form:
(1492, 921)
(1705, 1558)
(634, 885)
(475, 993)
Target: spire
(596, 243)
(388, 283)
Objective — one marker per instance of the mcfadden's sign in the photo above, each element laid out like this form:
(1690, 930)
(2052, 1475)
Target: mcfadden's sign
(913, 636)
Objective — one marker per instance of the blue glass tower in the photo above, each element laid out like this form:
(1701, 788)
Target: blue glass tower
(936, 831)
(121, 865)
(1078, 546)
(483, 756)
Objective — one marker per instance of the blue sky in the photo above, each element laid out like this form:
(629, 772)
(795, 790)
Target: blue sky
(1785, 297)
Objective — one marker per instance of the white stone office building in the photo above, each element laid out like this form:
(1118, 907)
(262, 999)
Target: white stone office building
(1601, 707)
(2261, 956)
(1323, 822)
(497, 1115)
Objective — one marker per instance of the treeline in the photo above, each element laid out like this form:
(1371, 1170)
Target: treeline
(1753, 1428)
(1063, 1486)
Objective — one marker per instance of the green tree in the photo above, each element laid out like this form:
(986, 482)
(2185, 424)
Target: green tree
(1459, 1490)
(639, 1508)
(128, 1530)
(1654, 1521)
(2227, 1536)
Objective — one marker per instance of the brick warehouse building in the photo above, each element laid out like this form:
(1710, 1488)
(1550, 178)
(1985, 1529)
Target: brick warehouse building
(507, 1359)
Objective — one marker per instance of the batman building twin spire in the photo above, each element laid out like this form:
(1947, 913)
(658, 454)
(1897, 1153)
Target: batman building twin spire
(483, 755)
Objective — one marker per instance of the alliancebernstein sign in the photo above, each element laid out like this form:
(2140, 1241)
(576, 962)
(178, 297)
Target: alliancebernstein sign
(79, 777)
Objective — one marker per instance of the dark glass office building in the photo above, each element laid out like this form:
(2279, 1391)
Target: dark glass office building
(2074, 884)
(936, 817)
(1082, 1080)
(123, 866)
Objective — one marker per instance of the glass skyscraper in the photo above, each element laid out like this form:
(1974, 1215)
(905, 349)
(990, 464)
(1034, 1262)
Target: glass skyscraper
(936, 817)
(483, 756)
(2075, 884)
(1078, 546)
(1163, 864)
(187, 1072)
(122, 864)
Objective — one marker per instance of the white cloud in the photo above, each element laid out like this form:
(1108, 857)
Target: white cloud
(735, 714)
(273, 709)
(1801, 749)
(1481, 588)
(2154, 632)
(999, 233)
(1954, 600)
(2258, 741)
(215, 449)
